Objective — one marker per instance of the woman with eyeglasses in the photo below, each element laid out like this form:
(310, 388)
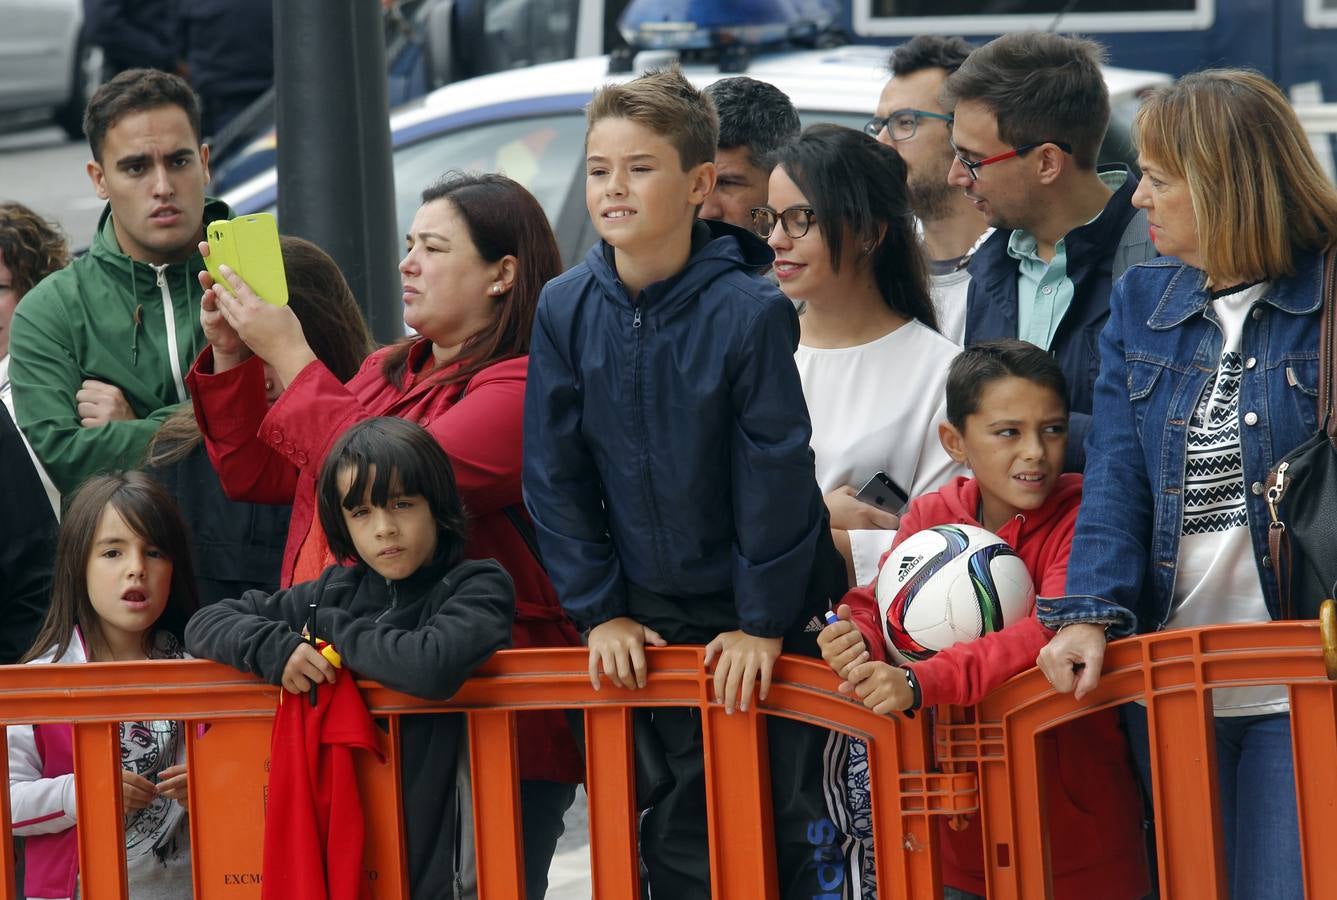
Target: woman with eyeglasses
(874, 368)
(1208, 377)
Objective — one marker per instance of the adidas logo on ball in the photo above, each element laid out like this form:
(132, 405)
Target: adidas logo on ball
(949, 584)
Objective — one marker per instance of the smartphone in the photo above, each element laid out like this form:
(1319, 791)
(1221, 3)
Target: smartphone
(249, 245)
(882, 492)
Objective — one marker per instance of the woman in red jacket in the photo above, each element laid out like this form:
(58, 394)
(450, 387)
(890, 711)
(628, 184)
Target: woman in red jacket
(479, 250)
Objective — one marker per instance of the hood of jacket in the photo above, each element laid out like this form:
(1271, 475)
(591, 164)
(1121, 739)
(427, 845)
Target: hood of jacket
(959, 499)
(717, 247)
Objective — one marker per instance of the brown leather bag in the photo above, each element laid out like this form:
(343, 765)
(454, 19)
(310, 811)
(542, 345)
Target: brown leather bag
(1302, 490)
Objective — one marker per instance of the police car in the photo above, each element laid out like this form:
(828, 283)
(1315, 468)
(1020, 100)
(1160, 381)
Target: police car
(530, 124)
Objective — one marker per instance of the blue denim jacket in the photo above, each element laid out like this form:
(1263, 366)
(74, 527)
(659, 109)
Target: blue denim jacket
(1158, 353)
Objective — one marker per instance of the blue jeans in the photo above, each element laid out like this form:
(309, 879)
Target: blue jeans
(1256, 779)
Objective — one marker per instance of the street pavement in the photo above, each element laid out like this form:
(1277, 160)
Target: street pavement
(43, 169)
(569, 875)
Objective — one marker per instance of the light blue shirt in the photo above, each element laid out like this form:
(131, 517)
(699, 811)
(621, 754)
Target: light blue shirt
(1044, 290)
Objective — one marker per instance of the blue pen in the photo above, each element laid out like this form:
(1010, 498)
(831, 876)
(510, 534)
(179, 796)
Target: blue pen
(831, 617)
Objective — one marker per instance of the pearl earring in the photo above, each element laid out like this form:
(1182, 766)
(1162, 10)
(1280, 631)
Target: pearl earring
(269, 385)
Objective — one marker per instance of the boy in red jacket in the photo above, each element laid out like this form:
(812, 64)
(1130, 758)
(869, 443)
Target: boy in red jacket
(1007, 419)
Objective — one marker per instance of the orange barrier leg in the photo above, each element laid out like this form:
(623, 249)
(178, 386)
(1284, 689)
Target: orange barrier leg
(738, 799)
(610, 780)
(1314, 735)
(905, 835)
(97, 774)
(496, 801)
(1012, 805)
(1190, 852)
(8, 890)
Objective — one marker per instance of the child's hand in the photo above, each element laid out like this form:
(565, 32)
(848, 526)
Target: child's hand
(742, 658)
(882, 687)
(842, 644)
(618, 646)
(172, 784)
(305, 669)
(137, 792)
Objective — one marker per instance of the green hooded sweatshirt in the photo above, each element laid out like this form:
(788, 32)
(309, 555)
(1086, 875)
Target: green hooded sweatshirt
(104, 317)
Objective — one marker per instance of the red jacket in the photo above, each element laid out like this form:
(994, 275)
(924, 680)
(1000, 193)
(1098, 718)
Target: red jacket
(273, 454)
(314, 826)
(1095, 814)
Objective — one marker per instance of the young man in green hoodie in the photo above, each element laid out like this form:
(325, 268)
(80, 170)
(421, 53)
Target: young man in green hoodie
(99, 349)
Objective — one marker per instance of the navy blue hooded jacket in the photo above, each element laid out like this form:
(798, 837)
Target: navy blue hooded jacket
(667, 440)
(991, 302)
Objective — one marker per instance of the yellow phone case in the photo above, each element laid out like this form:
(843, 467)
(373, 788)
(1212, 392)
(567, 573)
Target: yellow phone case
(249, 245)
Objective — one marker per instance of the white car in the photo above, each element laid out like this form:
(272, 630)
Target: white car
(530, 124)
(45, 66)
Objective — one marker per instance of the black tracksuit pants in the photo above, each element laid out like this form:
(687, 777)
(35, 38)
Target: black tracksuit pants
(807, 774)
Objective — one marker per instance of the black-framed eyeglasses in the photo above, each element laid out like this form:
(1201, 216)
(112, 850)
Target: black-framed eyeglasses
(795, 220)
(901, 124)
(974, 167)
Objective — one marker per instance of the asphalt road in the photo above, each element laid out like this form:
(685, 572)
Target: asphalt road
(43, 169)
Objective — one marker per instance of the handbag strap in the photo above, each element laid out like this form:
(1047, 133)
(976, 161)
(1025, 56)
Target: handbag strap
(1327, 349)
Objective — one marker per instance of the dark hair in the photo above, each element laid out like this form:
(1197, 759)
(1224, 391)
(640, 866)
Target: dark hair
(665, 102)
(331, 321)
(33, 247)
(152, 514)
(1040, 87)
(929, 51)
(503, 219)
(407, 459)
(981, 364)
(857, 187)
(136, 90)
(755, 115)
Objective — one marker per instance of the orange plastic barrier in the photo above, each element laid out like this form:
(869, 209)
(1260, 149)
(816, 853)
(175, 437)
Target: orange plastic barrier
(1174, 671)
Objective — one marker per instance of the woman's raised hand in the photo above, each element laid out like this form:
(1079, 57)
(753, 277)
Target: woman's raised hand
(270, 332)
(229, 349)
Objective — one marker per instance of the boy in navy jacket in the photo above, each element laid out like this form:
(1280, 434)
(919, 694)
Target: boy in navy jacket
(667, 465)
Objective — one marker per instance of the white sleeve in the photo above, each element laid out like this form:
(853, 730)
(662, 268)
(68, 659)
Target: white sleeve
(866, 547)
(37, 805)
(934, 467)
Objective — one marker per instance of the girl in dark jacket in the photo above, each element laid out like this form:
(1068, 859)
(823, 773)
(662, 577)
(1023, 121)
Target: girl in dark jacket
(409, 613)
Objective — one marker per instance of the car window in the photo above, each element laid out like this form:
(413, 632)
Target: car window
(542, 153)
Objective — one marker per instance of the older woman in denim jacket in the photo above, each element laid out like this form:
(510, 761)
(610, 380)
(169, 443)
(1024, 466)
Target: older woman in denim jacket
(1208, 376)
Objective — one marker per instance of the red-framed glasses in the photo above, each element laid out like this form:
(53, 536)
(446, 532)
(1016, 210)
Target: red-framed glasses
(974, 167)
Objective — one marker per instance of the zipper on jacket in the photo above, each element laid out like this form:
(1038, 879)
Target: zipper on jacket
(394, 601)
(646, 475)
(169, 318)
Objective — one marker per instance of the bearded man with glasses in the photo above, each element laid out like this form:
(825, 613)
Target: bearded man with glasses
(911, 120)
(1029, 111)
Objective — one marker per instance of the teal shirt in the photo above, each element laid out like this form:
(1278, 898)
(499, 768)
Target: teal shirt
(1044, 290)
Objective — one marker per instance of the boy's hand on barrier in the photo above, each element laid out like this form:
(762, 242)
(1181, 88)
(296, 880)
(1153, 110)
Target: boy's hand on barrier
(137, 792)
(305, 669)
(618, 647)
(1072, 660)
(842, 644)
(172, 784)
(881, 686)
(742, 659)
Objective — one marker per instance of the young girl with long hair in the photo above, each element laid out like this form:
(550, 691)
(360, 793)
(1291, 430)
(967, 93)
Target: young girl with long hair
(123, 589)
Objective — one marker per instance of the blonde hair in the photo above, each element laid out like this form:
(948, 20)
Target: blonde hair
(665, 102)
(1258, 192)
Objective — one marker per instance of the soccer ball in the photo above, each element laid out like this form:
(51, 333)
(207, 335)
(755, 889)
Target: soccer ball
(948, 584)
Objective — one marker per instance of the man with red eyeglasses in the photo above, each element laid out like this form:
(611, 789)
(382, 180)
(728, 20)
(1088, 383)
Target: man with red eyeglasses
(1030, 111)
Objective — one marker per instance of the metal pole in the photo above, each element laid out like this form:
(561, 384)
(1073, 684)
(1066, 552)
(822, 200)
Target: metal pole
(336, 181)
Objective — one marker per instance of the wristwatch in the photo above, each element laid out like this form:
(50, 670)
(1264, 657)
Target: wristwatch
(918, 695)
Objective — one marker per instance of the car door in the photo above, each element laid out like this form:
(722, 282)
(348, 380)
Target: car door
(36, 46)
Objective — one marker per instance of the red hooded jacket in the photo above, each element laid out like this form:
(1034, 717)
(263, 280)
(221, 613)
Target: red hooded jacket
(1095, 814)
(267, 454)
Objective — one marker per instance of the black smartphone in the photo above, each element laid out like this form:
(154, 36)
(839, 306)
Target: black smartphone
(882, 492)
